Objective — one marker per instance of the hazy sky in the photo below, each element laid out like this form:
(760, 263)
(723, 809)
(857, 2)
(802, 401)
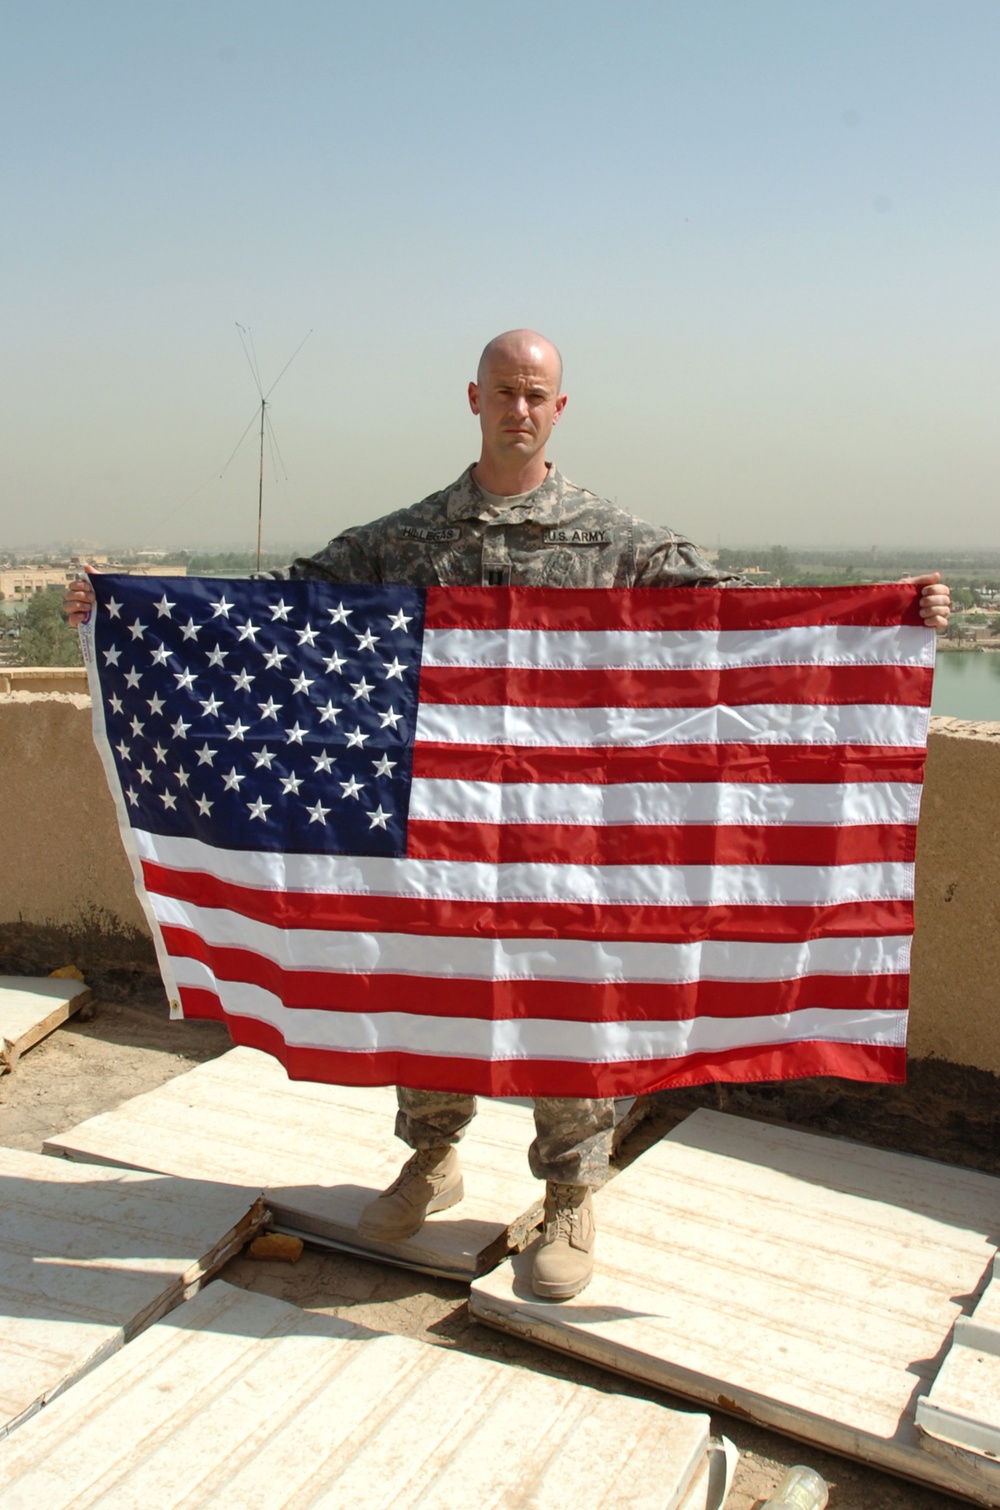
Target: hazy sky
(765, 234)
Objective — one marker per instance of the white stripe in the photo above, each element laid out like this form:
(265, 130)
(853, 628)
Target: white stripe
(757, 723)
(532, 1038)
(461, 880)
(682, 649)
(575, 960)
(593, 806)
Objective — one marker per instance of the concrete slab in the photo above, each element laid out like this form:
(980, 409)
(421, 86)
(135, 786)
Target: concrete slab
(31, 1008)
(319, 1153)
(89, 1257)
(808, 1283)
(237, 1401)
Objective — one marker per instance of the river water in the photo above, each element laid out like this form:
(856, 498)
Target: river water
(967, 684)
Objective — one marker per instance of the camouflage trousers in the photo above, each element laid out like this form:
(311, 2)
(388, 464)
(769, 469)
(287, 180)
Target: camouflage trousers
(572, 1137)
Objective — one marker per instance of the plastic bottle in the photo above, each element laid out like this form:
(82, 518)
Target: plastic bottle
(800, 1489)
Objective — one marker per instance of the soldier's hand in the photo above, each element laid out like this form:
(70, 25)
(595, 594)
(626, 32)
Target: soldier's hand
(935, 599)
(79, 601)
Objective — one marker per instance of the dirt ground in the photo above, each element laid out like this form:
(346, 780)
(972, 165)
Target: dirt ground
(129, 1046)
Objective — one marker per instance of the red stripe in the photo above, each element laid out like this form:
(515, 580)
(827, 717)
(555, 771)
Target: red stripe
(564, 1001)
(610, 765)
(870, 1062)
(658, 608)
(532, 687)
(641, 924)
(652, 844)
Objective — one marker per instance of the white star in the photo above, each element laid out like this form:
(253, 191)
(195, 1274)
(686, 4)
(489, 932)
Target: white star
(133, 796)
(137, 727)
(210, 707)
(385, 766)
(329, 714)
(231, 783)
(160, 753)
(144, 774)
(302, 683)
(132, 678)
(389, 720)
(122, 750)
(339, 615)
(366, 641)
(280, 610)
(237, 730)
(294, 735)
(217, 656)
(182, 776)
(357, 740)
(323, 762)
(138, 630)
(270, 709)
(206, 755)
(112, 657)
(394, 668)
(163, 607)
(248, 631)
(204, 806)
(115, 704)
(291, 784)
(241, 681)
(362, 689)
(351, 788)
(318, 813)
(190, 630)
(154, 704)
(168, 799)
(263, 757)
(185, 679)
(379, 819)
(400, 620)
(222, 607)
(179, 729)
(161, 656)
(307, 636)
(334, 662)
(114, 609)
(273, 659)
(259, 809)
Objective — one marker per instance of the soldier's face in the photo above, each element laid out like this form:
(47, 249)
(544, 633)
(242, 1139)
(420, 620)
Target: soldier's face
(518, 402)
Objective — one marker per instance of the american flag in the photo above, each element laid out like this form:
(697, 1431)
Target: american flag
(521, 841)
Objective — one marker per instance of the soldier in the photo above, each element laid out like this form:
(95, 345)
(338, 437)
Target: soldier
(513, 518)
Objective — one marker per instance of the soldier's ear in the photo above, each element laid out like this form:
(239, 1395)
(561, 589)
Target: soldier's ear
(561, 402)
(474, 397)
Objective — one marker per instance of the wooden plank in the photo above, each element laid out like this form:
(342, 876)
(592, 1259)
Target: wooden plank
(31, 1008)
(959, 1417)
(237, 1401)
(808, 1283)
(320, 1152)
(89, 1257)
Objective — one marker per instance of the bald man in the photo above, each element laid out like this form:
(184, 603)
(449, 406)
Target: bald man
(512, 518)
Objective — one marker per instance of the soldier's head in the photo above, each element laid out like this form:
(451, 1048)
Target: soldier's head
(517, 396)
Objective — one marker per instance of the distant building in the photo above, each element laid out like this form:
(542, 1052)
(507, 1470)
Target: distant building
(19, 584)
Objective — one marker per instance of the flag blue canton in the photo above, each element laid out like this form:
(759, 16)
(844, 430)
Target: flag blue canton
(262, 715)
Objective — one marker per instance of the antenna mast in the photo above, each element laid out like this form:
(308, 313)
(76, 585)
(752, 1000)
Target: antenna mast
(246, 337)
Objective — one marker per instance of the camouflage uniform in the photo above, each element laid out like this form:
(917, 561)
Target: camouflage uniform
(559, 535)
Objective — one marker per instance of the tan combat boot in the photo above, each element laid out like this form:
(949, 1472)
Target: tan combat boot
(430, 1181)
(564, 1258)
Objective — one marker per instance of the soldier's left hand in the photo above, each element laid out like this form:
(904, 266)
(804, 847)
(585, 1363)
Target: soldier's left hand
(935, 599)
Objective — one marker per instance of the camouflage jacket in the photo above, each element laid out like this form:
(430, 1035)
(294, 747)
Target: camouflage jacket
(559, 536)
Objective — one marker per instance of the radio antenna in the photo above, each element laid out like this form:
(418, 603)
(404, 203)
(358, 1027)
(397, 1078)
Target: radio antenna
(249, 351)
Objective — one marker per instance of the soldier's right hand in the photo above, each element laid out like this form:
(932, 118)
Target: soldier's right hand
(79, 601)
